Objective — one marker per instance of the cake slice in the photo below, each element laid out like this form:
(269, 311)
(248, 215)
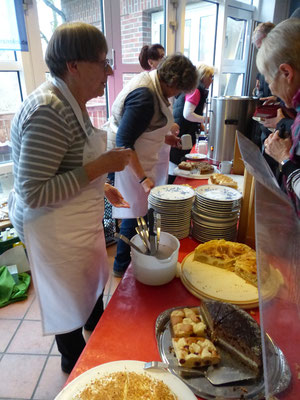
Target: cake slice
(245, 267)
(220, 253)
(223, 180)
(186, 166)
(187, 322)
(235, 330)
(195, 352)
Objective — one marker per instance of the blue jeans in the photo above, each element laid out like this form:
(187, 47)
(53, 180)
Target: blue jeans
(122, 259)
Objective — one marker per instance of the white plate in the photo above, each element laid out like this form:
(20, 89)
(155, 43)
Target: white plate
(194, 173)
(217, 192)
(78, 384)
(172, 192)
(195, 156)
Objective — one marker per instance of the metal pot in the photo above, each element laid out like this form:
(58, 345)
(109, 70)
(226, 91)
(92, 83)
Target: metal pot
(227, 115)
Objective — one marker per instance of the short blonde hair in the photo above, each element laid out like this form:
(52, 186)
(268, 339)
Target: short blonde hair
(282, 45)
(205, 71)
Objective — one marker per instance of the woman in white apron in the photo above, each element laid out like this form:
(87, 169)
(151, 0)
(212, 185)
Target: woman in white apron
(149, 58)
(60, 168)
(141, 113)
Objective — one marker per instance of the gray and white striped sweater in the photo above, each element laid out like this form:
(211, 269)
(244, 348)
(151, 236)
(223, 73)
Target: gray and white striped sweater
(47, 149)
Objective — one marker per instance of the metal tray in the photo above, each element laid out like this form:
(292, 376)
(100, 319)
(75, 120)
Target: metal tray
(279, 376)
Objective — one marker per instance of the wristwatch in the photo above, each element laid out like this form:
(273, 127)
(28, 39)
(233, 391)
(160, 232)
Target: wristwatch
(281, 164)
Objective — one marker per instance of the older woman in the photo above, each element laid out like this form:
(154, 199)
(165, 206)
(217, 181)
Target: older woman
(60, 168)
(279, 60)
(188, 111)
(143, 119)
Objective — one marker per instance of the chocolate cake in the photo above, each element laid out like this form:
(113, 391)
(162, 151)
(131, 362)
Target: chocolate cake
(235, 330)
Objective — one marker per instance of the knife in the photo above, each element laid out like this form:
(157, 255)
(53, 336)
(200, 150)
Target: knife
(151, 231)
(158, 224)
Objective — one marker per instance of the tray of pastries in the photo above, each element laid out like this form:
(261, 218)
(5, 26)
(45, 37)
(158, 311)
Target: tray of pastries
(220, 337)
(195, 170)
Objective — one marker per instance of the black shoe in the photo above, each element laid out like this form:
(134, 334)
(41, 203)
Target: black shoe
(67, 366)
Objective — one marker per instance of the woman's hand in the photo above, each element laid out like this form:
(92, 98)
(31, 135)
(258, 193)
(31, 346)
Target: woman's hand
(114, 196)
(173, 140)
(272, 122)
(147, 184)
(278, 148)
(175, 129)
(110, 161)
(269, 100)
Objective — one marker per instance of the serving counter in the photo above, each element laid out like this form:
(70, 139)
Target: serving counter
(127, 328)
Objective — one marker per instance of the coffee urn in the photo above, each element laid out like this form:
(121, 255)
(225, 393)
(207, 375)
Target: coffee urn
(227, 115)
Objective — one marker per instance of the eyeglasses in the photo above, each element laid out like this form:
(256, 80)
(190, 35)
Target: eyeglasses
(105, 63)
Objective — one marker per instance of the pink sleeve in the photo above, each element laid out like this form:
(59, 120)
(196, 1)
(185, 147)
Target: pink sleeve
(194, 97)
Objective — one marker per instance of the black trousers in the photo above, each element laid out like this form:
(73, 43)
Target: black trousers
(71, 344)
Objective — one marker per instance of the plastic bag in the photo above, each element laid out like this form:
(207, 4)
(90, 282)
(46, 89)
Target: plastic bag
(10, 291)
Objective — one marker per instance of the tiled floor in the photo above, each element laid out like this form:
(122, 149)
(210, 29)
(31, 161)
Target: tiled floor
(29, 361)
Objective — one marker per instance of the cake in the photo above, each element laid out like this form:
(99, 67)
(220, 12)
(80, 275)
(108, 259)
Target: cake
(187, 166)
(205, 168)
(195, 352)
(220, 253)
(245, 267)
(126, 386)
(235, 330)
(220, 179)
(187, 322)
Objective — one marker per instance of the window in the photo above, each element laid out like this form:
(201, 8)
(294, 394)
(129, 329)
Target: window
(200, 22)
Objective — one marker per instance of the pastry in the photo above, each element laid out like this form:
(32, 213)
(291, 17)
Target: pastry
(236, 257)
(235, 330)
(205, 168)
(187, 322)
(245, 267)
(220, 253)
(187, 166)
(195, 352)
(220, 179)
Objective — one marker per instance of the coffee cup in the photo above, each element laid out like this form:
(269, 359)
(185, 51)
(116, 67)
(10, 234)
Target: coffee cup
(225, 167)
(186, 142)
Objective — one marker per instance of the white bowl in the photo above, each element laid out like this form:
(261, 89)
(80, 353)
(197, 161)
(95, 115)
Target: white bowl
(149, 269)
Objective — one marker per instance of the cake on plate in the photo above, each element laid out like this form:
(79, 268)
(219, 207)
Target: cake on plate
(195, 352)
(187, 322)
(235, 330)
(236, 257)
(223, 180)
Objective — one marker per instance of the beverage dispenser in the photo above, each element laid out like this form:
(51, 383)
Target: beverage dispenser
(228, 114)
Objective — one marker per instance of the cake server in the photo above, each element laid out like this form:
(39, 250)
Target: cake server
(141, 235)
(127, 241)
(217, 375)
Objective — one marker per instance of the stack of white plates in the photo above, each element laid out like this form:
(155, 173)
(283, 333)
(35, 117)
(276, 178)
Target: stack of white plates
(215, 213)
(174, 204)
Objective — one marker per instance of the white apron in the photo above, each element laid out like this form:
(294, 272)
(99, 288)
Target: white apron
(66, 245)
(162, 166)
(147, 147)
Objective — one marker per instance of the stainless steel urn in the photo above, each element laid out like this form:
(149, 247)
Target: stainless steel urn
(228, 114)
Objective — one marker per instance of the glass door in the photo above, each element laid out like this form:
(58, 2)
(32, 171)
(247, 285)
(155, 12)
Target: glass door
(235, 52)
(129, 25)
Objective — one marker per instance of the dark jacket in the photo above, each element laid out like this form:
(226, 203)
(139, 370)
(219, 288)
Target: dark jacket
(186, 127)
